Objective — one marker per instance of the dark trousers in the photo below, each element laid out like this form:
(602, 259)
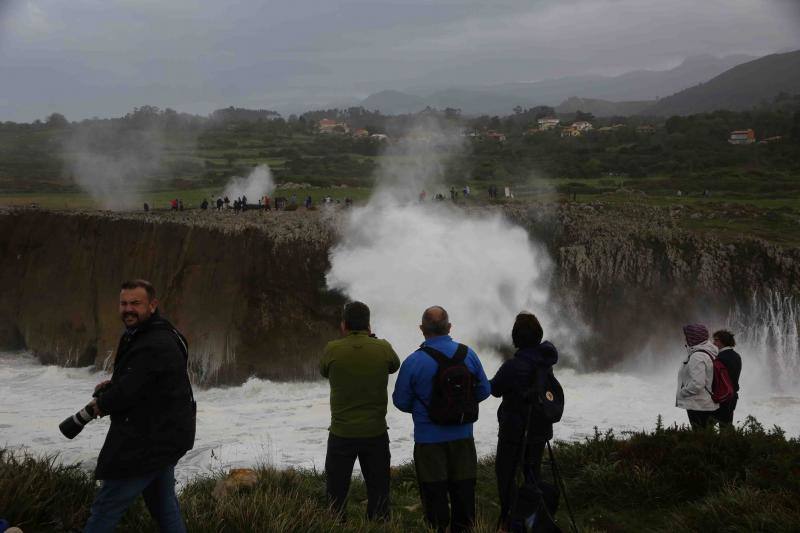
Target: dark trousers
(116, 495)
(700, 419)
(446, 474)
(507, 462)
(725, 412)
(374, 457)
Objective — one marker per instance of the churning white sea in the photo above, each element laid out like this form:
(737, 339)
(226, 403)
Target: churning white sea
(285, 424)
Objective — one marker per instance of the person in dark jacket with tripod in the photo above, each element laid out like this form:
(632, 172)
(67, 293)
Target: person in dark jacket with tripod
(511, 383)
(152, 408)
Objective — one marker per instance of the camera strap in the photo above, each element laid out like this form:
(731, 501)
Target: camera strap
(185, 349)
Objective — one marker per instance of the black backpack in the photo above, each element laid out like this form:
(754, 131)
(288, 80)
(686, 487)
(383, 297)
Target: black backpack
(546, 396)
(453, 396)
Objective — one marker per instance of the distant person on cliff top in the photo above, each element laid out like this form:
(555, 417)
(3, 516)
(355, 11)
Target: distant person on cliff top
(441, 385)
(227, 202)
(724, 341)
(308, 202)
(204, 204)
(358, 367)
(152, 408)
(174, 204)
(219, 204)
(146, 207)
(696, 377)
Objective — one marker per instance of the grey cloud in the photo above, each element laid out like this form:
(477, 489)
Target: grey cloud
(95, 57)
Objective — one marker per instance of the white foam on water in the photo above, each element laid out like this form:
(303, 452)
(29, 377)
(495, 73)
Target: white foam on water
(285, 424)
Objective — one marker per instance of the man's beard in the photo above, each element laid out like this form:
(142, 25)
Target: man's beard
(139, 319)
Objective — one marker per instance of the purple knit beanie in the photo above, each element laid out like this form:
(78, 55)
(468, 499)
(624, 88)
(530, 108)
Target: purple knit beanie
(695, 334)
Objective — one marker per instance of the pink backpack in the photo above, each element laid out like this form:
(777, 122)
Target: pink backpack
(722, 386)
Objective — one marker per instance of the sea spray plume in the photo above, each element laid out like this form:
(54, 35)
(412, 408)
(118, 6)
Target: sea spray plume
(258, 183)
(417, 161)
(112, 161)
(401, 256)
(767, 329)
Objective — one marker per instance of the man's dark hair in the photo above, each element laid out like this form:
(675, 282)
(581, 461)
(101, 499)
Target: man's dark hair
(527, 331)
(725, 337)
(435, 321)
(143, 283)
(355, 316)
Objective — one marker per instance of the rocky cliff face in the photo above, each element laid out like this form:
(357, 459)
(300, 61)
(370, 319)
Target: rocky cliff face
(249, 290)
(636, 275)
(250, 296)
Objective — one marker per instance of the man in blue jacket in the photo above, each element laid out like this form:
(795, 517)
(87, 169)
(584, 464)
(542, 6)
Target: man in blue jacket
(444, 455)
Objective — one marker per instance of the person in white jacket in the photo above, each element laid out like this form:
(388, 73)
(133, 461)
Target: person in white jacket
(696, 376)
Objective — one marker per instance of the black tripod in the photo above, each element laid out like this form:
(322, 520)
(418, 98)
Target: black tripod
(557, 480)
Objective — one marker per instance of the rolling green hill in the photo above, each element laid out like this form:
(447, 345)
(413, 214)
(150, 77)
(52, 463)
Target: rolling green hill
(740, 88)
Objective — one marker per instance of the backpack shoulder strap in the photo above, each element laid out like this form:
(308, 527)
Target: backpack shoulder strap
(536, 384)
(458, 357)
(709, 354)
(461, 353)
(437, 356)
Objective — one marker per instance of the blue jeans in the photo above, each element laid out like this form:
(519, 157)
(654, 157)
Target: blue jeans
(116, 495)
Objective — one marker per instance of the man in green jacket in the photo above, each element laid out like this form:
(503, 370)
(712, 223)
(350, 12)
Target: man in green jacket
(358, 367)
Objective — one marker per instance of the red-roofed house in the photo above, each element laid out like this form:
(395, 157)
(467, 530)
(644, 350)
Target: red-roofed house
(327, 125)
(747, 136)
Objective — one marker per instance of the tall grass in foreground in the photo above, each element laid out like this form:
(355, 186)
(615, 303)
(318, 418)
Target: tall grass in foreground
(672, 479)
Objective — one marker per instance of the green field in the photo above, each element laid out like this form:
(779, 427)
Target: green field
(731, 191)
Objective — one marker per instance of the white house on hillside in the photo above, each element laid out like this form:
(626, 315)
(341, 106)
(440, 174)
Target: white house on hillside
(548, 123)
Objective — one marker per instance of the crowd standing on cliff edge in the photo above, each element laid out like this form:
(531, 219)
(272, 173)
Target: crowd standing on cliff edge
(153, 415)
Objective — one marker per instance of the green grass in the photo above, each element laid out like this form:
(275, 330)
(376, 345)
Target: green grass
(671, 479)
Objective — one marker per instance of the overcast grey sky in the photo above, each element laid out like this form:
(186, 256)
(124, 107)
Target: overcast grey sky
(103, 57)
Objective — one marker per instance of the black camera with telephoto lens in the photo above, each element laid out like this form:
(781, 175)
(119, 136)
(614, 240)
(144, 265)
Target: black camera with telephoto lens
(74, 424)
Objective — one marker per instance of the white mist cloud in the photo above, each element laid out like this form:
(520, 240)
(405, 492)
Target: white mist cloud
(401, 256)
(258, 183)
(400, 259)
(417, 161)
(113, 164)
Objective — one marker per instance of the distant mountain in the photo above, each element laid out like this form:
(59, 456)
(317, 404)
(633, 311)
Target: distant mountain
(637, 85)
(742, 87)
(603, 108)
(394, 102)
(630, 86)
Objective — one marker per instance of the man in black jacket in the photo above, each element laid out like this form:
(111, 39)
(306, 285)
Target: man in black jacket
(149, 398)
(725, 342)
(513, 379)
